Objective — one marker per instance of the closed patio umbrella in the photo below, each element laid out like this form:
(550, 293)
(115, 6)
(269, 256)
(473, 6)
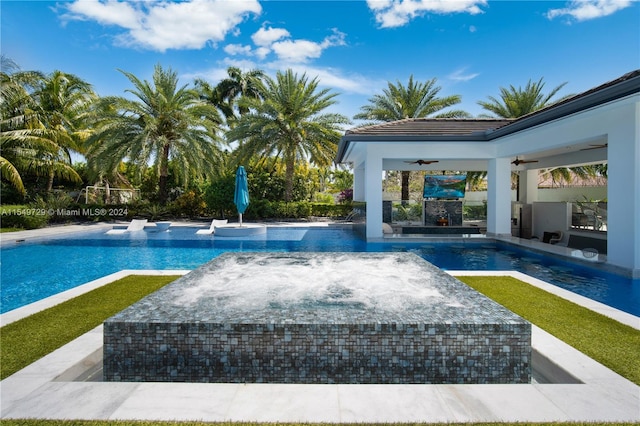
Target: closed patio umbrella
(241, 195)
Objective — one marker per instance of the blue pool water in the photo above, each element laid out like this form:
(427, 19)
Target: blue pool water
(33, 271)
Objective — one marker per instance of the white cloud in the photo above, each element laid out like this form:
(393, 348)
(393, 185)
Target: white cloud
(262, 52)
(327, 77)
(461, 75)
(238, 49)
(278, 41)
(396, 13)
(110, 12)
(162, 25)
(583, 10)
(332, 78)
(264, 39)
(267, 36)
(297, 50)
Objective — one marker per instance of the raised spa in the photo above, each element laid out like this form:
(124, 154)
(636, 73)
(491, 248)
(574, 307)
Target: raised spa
(317, 318)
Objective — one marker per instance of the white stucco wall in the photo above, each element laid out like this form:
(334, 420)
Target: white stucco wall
(557, 143)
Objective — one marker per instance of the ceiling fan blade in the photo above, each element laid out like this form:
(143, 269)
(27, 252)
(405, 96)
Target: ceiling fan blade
(422, 162)
(517, 161)
(604, 145)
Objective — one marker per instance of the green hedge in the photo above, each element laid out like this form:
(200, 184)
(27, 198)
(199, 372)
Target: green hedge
(27, 217)
(264, 209)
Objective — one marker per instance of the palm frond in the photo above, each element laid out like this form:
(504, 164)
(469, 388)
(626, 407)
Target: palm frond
(11, 174)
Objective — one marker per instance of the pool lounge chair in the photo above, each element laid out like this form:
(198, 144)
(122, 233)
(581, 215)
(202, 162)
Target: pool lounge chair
(212, 228)
(552, 237)
(134, 226)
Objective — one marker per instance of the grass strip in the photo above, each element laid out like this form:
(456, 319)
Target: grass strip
(10, 229)
(607, 341)
(29, 339)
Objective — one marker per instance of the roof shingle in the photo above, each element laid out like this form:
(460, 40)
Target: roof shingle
(431, 127)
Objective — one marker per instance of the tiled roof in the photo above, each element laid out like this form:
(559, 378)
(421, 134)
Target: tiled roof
(437, 127)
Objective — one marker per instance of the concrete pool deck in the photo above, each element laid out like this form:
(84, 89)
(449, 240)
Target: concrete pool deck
(44, 389)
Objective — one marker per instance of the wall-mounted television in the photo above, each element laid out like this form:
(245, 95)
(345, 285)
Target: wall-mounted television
(444, 186)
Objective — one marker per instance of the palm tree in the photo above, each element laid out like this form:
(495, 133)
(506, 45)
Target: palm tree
(164, 123)
(13, 102)
(41, 121)
(516, 102)
(63, 106)
(226, 93)
(288, 123)
(416, 100)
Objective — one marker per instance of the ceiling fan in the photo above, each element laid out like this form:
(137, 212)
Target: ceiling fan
(422, 162)
(517, 161)
(596, 146)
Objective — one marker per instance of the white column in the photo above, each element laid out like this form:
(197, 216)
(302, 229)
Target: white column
(373, 193)
(623, 190)
(358, 182)
(499, 197)
(529, 186)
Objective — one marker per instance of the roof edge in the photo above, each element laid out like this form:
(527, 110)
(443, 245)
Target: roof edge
(627, 84)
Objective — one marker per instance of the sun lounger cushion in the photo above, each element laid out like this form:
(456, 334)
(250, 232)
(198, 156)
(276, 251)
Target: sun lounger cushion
(134, 225)
(212, 228)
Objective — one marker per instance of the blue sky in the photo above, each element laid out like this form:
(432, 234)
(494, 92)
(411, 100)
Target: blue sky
(473, 47)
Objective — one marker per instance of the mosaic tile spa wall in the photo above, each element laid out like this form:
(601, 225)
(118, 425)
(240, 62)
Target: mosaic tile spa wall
(317, 318)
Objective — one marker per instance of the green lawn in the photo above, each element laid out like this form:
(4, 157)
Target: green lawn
(29, 339)
(607, 341)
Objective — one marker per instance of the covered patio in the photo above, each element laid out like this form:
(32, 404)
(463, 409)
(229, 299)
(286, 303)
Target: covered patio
(596, 126)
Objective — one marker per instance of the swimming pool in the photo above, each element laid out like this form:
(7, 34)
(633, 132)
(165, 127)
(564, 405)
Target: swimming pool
(35, 270)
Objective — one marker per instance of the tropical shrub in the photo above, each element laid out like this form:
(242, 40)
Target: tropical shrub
(154, 212)
(218, 196)
(56, 205)
(478, 211)
(10, 195)
(323, 198)
(189, 204)
(346, 195)
(272, 186)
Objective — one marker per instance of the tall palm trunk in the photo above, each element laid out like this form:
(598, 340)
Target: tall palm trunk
(107, 193)
(288, 178)
(404, 193)
(50, 181)
(164, 176)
